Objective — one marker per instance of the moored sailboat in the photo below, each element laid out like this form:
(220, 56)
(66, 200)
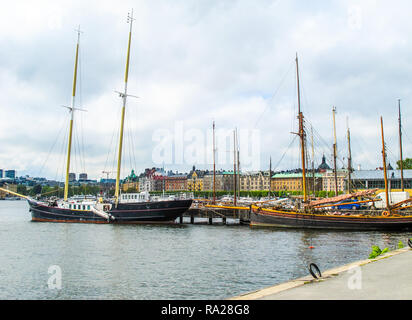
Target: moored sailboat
(124, 208)
(319, 215)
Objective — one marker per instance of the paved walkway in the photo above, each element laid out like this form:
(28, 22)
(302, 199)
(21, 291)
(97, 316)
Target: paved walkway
(388, 277)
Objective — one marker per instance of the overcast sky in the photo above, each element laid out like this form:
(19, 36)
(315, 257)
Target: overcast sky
(198, 61)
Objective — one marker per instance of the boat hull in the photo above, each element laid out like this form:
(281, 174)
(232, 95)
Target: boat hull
(125, 213)
(285, 219)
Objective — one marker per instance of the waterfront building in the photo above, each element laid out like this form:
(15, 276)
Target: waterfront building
(228, 183)
(195, 181)
(11, 187)
(10, 174)
(130, 185)
(292, 181)
(176, 183)
(152, 180)
(328, 180)
(72, 177)
(255, 181)
(146, 184)
(1, 173)
(82, 177)
(372, 179)
(208, 181)
(131, 182)
(107, 181)
(159, 182)
(323, 167)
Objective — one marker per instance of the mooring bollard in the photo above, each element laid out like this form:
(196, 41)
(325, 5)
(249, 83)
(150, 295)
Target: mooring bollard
(192, 219)
(224, 220)
(210, 219)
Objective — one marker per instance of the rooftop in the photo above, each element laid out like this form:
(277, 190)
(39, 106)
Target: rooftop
(378, 174)
(295, 175)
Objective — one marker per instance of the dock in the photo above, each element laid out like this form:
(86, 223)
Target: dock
(216, 215)
(387, 277)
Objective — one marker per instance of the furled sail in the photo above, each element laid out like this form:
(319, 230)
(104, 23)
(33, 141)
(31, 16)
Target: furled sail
(343, 197)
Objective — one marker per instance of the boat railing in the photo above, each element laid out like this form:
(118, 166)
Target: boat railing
(173, 196)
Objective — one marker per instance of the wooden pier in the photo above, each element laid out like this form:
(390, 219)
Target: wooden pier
(216, 215)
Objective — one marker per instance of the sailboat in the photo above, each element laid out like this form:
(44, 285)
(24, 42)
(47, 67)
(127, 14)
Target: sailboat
(317, 215)
(124, 208)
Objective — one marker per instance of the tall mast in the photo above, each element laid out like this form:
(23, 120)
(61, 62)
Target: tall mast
(313, 161)
(400, 144)
(71, 108)
(214, 165)
(123, 95)
(384, 167)
(270, 177)
(234, 166)
(335, 152)
(238, 165)
(349, 160)
(301, 135)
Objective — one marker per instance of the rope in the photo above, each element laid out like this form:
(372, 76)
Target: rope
(274, 95)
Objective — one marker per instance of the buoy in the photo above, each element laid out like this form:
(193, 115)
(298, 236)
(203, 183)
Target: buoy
(311, 247)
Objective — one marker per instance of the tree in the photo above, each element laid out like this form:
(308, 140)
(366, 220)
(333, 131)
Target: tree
(35, 190)
(407, 164)
(22, 189)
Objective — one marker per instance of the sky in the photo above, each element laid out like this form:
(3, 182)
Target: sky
(198, 61)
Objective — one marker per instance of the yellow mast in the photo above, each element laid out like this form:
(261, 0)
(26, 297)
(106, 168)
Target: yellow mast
(123, 95)
(400, 145)
(301, 135)
(349, 159)
(384, 168)
(71, 108)
(214, 165)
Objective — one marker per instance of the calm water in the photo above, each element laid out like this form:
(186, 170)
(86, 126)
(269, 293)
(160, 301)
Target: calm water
(163, 262)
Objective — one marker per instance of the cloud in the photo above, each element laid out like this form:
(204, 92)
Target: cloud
(195, 62)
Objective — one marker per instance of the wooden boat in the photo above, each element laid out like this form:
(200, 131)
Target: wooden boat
(315, 214)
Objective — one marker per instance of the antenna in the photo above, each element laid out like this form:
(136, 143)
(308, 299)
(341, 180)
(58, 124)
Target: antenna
(130, 18)
(78, 30)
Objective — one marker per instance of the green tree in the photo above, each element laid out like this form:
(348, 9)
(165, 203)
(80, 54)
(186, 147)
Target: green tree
(22, 189)
(35, 190)
(406, 164)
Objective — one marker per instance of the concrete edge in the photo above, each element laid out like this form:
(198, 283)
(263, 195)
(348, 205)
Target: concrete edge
(257, 294)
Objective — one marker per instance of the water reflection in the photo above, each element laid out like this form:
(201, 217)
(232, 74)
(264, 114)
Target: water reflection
(164, 262)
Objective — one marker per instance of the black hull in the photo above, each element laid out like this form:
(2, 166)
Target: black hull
(125, 213)
(284, 219)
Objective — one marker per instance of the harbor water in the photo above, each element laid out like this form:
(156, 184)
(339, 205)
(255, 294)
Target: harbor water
(163, 261)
